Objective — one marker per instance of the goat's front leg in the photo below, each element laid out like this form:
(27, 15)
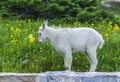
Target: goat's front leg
(68, 60)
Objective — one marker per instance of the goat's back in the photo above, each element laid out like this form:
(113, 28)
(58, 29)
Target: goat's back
(80, 38)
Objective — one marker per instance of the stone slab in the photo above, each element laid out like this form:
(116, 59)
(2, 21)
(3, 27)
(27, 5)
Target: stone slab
(61, 76)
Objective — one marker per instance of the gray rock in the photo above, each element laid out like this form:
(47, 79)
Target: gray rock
(17, 77)
(110, 3)
(69, 76)
(61, 76)
(113, 5)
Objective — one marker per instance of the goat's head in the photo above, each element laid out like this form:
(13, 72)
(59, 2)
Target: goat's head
(41, 32)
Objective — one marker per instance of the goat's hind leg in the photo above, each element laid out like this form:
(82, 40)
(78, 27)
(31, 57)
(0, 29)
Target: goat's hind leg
(68, 61)
(93, 59)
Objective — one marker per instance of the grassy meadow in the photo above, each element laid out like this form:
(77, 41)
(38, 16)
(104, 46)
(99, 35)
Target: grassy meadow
(21, 52)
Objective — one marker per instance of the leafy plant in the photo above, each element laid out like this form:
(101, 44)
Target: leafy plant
(65, 10)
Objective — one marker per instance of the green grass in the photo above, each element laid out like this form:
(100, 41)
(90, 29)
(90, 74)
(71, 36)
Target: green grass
(21, 52)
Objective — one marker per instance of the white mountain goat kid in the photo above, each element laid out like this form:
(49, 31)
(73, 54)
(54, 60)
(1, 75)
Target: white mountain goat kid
(71, 40)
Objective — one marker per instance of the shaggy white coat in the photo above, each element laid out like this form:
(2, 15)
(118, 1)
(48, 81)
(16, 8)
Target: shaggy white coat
(72, 40)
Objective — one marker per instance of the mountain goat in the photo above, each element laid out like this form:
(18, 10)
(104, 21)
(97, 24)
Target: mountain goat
(71, 40)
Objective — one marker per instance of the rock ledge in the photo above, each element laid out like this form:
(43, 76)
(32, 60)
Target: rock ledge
(69, 76)
(61, 76)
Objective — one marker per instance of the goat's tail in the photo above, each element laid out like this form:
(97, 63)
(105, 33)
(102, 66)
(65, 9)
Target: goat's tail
(101, 42)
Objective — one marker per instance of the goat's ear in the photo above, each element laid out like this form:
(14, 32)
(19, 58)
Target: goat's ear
(44, 24)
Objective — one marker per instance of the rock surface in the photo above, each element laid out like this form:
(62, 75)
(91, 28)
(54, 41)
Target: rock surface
(17, 77)
(61, 76)
(68, 76)
(113, 5)
(110, 3)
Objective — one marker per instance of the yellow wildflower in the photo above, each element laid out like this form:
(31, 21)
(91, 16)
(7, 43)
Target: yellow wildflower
(116, 27)
(32, 39)
(106, 34)
(110, 24)
(18, 30)
(41, 49)
(30, 35)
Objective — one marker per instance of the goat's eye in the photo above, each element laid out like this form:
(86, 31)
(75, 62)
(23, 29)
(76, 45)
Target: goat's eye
(39, 33)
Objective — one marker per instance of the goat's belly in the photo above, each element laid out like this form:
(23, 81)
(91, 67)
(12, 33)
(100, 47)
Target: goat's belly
(78, 46)
(78, 49)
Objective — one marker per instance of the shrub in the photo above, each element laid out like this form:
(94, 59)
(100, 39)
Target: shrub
(63, 10)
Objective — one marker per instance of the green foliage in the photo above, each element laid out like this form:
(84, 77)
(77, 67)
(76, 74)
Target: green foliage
(21, 52)
(66, 10)
(22, 8)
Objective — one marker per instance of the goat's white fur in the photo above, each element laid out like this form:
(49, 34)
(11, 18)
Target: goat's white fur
(71, 40)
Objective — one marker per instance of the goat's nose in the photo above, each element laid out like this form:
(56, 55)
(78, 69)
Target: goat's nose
(40, 41)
